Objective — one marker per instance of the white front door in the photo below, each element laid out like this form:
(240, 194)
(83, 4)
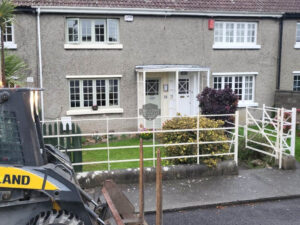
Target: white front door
(153, 96)
(184, 95)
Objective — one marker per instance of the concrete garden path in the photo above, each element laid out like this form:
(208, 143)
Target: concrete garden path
(248, 186)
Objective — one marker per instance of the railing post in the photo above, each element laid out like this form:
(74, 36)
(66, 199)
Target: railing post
(158, 190)
(293, 130)
(198, 147)
(263, 116)
(236, 138)
(278, 134)
(58, 133)
(107, 144)
(246, 128)
(141, 183)
(153, 141)
(281, 137)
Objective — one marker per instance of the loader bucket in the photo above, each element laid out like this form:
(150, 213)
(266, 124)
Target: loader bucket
(121, 209)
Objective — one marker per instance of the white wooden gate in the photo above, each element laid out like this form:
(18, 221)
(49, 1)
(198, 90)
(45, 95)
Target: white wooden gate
(277, 126)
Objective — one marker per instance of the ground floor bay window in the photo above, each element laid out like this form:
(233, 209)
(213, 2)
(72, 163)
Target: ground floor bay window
(93, 96)
(242, 84)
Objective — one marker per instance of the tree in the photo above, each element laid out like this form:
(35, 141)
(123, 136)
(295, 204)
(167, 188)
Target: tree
(6, 15)
(15, 69)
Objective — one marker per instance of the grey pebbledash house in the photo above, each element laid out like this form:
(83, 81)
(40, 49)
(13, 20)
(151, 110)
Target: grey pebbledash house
(121, 54)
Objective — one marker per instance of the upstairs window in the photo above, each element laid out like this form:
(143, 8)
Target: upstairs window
(8, 36)
(235, 35)
(297, 45)
(92, 31)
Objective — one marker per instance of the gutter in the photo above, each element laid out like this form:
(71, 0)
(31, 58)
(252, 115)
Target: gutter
(40, 61)
(144, 11)
(279, 54)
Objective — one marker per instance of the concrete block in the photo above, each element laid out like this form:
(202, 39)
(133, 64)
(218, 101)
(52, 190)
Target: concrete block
(288, 162)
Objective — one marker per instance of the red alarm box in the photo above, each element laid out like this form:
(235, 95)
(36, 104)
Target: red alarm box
(211, 23)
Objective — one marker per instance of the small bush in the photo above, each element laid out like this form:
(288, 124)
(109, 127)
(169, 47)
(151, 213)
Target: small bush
(146, 135)
(212, 101)
(190, 137)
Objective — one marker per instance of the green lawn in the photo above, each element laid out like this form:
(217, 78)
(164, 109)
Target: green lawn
(117, 154)
(132, 153)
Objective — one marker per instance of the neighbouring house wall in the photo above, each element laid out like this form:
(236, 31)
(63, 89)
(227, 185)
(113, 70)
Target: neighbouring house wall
(25, 33)
(146, 40)
(290, 55)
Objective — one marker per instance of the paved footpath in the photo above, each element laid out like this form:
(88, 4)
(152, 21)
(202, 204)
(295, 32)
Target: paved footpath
(249, 185)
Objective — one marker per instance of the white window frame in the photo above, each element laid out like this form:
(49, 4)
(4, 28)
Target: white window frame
(236, 45)
(11, 44)
(296, 75)
(242, 102)
(297, 43)
(93, 44)
(107, 106)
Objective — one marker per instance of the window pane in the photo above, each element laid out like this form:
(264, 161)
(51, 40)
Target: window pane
(251, 33)
(152, 87)
(7, 36)
(100, 92)
(183, 86)
(113, 30)
(86, 30)
(74, 93)
(248, 88)
(218, 32)
(296, 83)
(238, 87)
(99, 30)
(229, 32)
(218, 83)
(298, 33)
(240, 32)
(113, 92)
(228, 82)
(87, 93)
(72, 30)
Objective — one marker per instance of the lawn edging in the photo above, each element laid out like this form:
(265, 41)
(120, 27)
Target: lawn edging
(125, 176)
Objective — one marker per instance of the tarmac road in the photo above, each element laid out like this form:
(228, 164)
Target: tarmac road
(280, 212)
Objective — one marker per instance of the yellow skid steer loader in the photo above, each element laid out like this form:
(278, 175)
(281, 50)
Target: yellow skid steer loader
(37, 182)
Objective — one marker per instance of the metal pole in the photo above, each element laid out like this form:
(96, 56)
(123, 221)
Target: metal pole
(278, 134)
(153, 142)
(293, 131)
(158, 190)
(107, 144)
(198, 147)
(236, 138)
(141, 183)
(281, 137)
(263, 117)
(58, 133)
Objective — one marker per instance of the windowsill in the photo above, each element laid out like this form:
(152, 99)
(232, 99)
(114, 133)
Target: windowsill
(297, 45)
(77, 112)
(242, 104)
(10, 45)
(236, 46)
(93, 46)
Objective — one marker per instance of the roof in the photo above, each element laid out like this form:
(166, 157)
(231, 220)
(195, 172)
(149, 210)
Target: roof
(255, 6)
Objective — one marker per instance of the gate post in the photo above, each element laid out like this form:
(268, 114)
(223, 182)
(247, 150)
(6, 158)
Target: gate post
(281, 137)
(293, 131)
(236, 138)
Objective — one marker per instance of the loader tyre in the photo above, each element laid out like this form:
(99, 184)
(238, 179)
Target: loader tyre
(55, 218)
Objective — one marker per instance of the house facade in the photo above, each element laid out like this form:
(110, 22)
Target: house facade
(98, 59)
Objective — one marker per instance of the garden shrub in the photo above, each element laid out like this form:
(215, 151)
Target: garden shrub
(190, 136)
(146, 135)
(212, 101)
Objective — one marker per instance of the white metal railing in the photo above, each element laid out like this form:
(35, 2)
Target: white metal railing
(232, 131)
(272, 128)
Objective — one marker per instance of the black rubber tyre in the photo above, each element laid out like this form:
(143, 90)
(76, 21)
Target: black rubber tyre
(56, 218)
